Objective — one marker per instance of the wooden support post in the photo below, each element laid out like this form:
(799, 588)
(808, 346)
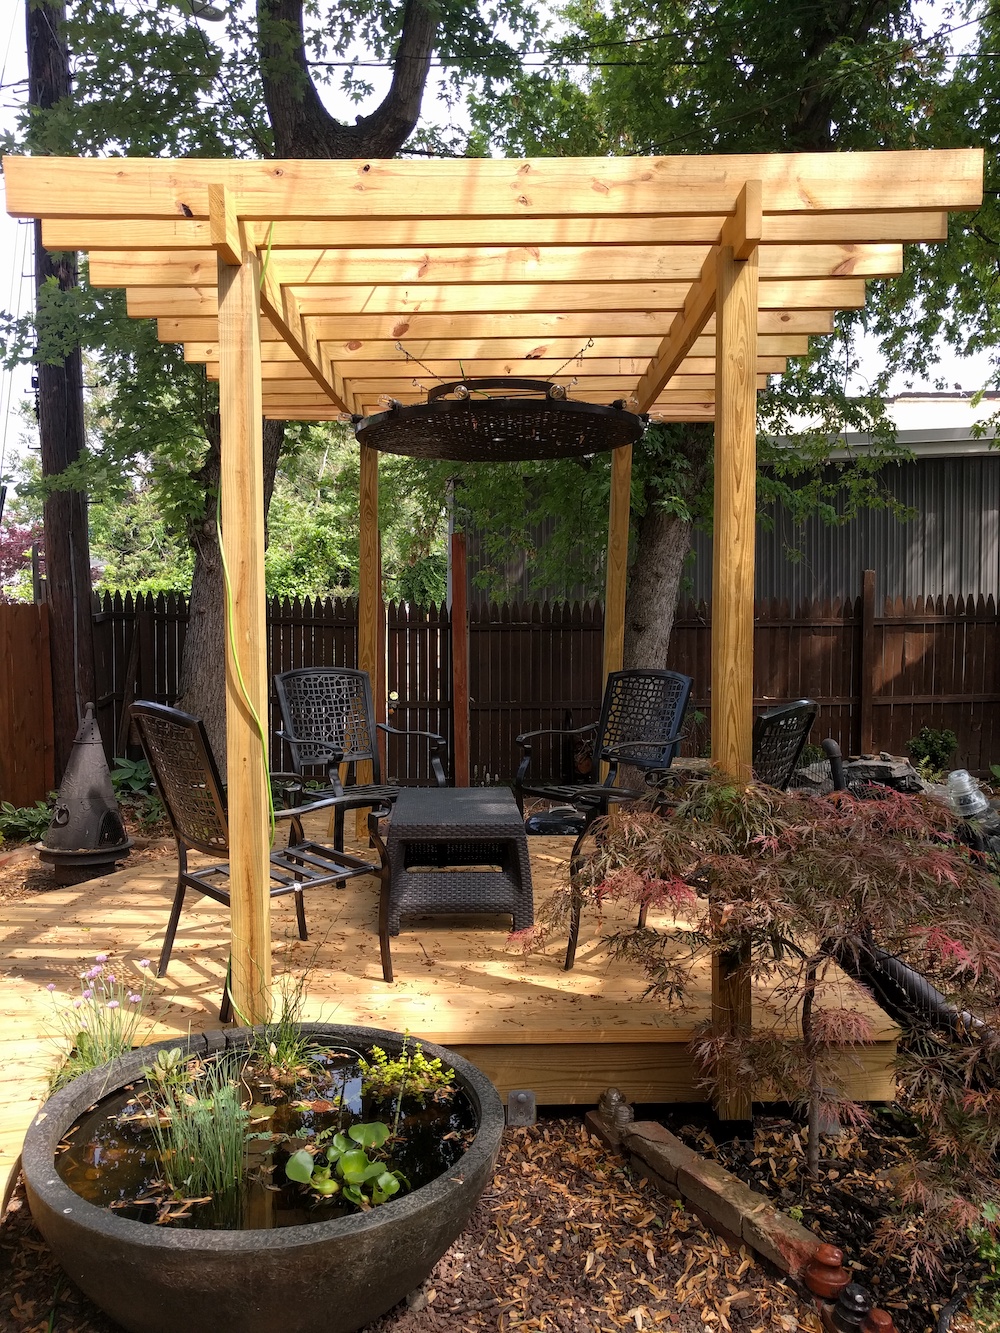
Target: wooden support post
(368, 594)
(735, 515)
(732, 608)
(460, 659)
(617, 570)
(242, 488)
(867, 666)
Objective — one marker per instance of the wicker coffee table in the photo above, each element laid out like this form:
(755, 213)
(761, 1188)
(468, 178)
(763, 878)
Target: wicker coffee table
(436, 836)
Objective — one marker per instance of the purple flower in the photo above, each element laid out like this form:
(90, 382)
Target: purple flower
(51, 986)
(100, 958)
(135, 999)
(144, 962)
(112, 1004)
(94, 972)
(88, 994)
(110, 979)
(77, 1003)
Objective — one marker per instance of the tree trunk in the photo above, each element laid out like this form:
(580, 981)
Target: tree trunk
(303, 128)
(663, 543)
(203, 678)
(61, 434)
(677, 463)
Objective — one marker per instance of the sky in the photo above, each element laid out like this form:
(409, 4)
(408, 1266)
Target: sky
(16, 259)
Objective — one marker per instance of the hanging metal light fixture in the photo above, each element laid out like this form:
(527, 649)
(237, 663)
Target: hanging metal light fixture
(531, 419)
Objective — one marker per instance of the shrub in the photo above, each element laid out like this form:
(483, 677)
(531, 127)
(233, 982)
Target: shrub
(930, 749)
(778, 881)
(26, 823)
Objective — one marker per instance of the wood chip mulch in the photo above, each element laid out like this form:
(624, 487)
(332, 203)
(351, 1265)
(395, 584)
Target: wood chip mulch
(853, 1195)
(566, 1240)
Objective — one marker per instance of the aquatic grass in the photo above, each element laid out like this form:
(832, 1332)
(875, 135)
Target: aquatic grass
(103, 1021)
(199, 1128)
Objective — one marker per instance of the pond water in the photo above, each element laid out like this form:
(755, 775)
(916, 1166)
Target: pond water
(111, 1158)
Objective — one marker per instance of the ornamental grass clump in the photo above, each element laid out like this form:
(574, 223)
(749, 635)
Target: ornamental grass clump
(778, 884)
(105, 1018)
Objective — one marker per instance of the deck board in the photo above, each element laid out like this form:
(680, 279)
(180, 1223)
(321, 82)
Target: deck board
(524, 1020)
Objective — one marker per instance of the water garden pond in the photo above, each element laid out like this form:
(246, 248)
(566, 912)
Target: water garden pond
(264, 1138)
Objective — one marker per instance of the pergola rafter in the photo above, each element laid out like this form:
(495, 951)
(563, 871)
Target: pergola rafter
(312, 290)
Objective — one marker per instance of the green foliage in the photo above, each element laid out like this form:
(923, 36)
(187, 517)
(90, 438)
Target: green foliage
(344, 1165)
(410, 1074)
(782, 880)
(198, 1124)
(103, 1021)
(930, 749)
(26, 823)
(131, 776)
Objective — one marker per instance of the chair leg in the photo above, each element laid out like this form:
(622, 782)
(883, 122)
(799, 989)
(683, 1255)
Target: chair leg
(226, 1007)
(383, 926)
(575, 866)
(168, 939)
(300, 913)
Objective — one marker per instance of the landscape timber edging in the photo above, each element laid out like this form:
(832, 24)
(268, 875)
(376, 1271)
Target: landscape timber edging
(731, 1208)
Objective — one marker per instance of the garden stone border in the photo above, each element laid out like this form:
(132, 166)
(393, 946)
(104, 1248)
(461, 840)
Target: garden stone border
(732, 1209)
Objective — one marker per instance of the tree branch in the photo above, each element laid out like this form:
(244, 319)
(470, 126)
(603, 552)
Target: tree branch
(301, 123)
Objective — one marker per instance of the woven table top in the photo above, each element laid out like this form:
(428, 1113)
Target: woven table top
(444, 811)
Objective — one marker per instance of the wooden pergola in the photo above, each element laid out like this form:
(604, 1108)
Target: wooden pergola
(313, 290)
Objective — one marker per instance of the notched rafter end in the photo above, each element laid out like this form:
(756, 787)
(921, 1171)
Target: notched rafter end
(744, 227)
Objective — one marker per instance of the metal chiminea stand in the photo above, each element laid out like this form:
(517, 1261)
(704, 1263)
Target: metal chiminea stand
(87, 835)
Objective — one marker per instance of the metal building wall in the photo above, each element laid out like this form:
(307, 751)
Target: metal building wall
(951, 546)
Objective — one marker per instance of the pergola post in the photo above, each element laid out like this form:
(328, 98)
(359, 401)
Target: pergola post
(242, 501)
(732, 593)
(369, 578)
(617, 566)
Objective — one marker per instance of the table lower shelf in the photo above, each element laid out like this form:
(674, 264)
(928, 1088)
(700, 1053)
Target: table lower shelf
(433, 892)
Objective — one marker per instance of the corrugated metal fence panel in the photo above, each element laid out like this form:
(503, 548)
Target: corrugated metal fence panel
(951, 546)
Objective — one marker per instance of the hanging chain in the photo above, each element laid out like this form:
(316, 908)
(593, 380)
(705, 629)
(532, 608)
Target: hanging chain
(416, 361)
(585, 348)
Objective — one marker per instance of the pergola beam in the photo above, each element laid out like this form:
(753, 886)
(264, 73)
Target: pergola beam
(99, 234)
(274, 191)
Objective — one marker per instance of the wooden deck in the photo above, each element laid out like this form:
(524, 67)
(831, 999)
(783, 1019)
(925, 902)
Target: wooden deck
(523, 1020)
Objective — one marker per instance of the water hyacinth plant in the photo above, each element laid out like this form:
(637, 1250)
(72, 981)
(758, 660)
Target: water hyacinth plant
(103, 1020)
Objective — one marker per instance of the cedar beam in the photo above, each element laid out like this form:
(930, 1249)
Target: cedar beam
(617, 559)
(368, 592)
(732, 613)
(242, 501)
(460, 659)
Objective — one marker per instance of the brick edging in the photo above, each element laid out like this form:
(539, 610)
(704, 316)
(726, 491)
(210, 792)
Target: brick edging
(723, 1202)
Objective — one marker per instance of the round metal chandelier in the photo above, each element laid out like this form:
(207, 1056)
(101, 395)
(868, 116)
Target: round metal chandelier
(463, 422)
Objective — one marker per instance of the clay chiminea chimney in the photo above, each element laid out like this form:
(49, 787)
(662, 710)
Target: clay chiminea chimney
(86, 836)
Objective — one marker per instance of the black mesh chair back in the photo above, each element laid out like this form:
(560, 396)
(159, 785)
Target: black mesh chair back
(778, 738)
(640, 706)
(188, 783)
(187, 779)
(324, 708)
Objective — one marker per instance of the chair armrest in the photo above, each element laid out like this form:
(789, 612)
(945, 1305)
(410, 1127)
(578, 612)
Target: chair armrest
(525, 741)
(527, 736)
(333, 754)
(438, 748)
(620, 753)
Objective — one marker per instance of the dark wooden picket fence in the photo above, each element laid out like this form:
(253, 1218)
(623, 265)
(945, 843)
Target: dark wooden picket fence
(878, 678)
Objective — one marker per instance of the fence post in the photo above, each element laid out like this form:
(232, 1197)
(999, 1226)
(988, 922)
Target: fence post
(867, 664)
(460, 658)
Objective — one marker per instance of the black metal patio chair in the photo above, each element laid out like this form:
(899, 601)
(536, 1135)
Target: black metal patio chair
(779, 736)
(188, 783)
(638, 733)
(328, 719)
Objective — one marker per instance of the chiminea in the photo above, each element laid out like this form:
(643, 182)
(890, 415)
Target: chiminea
(86, 836)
